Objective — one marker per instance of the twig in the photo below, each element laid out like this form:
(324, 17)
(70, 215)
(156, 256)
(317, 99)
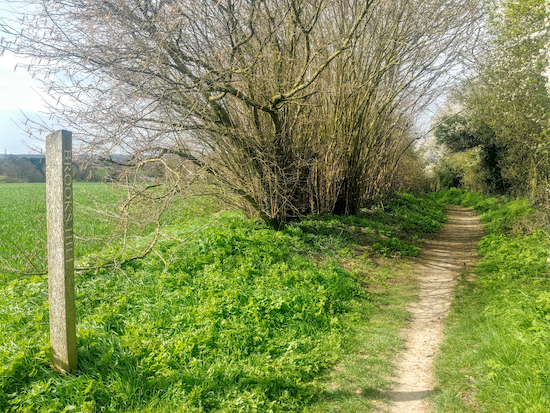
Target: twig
(18, 272)
(163, 260)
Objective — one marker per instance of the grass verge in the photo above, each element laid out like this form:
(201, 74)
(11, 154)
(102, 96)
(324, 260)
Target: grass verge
(495, 355)
(238, 318)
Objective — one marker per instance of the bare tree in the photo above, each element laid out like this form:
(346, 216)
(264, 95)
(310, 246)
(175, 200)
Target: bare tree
(296, 106)
(397, 68)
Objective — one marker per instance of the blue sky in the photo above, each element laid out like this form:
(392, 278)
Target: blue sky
(19, 94)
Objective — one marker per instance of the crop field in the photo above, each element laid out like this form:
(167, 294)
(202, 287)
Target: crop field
(224, 314)
(23, 223)
(104, 226)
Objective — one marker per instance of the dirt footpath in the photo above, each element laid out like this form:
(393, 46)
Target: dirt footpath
(444, 257)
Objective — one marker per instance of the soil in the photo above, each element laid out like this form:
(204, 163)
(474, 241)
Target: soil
(443, 259)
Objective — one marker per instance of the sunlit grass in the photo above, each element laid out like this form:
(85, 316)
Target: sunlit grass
(237, 318)
(101, 231)
(495, 357)
(23, 222)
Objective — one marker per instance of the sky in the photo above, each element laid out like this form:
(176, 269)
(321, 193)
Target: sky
(19, 96)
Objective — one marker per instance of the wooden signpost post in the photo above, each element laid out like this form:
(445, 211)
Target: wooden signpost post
(59, 195)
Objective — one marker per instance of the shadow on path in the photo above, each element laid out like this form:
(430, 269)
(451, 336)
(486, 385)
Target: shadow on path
(443, 259)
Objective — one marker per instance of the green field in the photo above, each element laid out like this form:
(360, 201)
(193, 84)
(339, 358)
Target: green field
(105, 226)
(23, 223)
(224, 314)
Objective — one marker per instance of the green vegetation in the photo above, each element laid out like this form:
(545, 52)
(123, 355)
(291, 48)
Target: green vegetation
(239, 317)
(23, 223)
(107, 226)
(495, 357)
(23, 226)
(502, 110)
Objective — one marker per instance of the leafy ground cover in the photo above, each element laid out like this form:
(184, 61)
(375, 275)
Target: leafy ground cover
(495, 356)
(225, 316)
